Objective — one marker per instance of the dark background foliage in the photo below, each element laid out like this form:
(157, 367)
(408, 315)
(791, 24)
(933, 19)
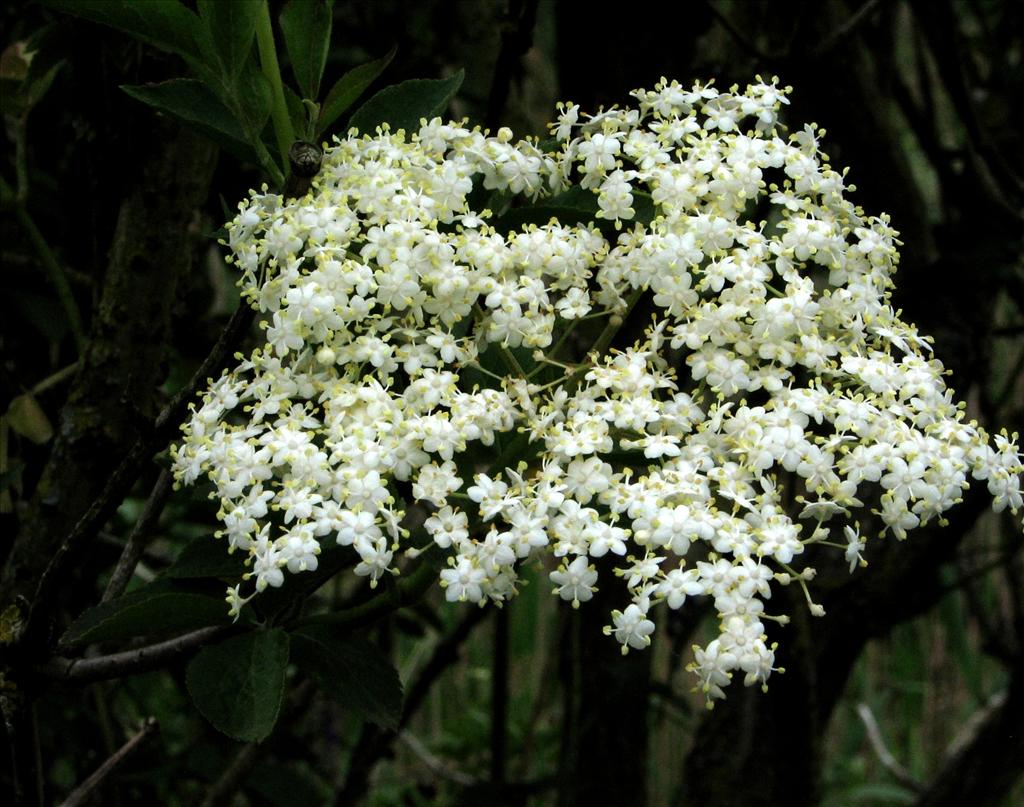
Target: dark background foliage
(909, 691)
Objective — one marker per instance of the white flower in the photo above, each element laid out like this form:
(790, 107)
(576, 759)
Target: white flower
(575, 581)
(463, 581)
(410, 345)
(632, 628)
(854, 546)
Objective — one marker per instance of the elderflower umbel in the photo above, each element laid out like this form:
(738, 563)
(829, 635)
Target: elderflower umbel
(775, 369)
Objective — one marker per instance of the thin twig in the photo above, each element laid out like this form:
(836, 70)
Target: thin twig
(735, 33)
(445, 653)
(374, 742)
(129, 662)
(139, 537)
(973, 724)
(844, 30)
(889, 762)
(81, 794)
(232, 777)
(436, 765)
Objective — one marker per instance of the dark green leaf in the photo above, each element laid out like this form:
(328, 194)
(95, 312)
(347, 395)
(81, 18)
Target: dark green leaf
(238, 684)
(191, 102)
(49, 46)
(36, 87)
(296, 110)
(45, 314)
(26, 74)
(158, 608)
(519, 217)
(207, 557)
(165, 24)
(10, 476)
(348, 88)
(350, 670)
(306, 25)
(232, 26)
(251, 100)
(575, 206)
(404, 105)
(297, 587)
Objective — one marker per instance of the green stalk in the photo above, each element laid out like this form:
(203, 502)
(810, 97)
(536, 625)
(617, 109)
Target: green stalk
(267, 163)
(21, 160)
(614, 324)
(403, 592)
(56, 275)
(56, 378)
(268, 62)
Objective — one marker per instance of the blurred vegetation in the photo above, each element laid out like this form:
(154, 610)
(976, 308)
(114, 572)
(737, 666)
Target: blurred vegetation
(911, 691)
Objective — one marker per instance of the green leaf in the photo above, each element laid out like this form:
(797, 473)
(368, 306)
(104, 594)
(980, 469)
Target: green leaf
(44, 313)
(206, 557)
(296, 110)
(10, 476)
(575, 206)
(232, 27)
(191, 102)
(350, 670)
(165, 24)
(306, 25)
(404, 105)
(349, 87)
(158, 608)
(238, 684)
(251, 100)
(28, 419)
(25, 76)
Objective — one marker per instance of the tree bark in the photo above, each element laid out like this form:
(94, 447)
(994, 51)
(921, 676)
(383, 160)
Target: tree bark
(116, 392)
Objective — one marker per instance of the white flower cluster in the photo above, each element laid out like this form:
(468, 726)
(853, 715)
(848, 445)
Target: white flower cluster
(775, 395)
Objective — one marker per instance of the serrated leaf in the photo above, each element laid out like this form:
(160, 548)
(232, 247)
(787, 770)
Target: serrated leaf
(165, 24)
(238, 684)
(349, 87)
(351, 671)
(402, 106)
(194, 104)
(206, 557)
(306, 25)
(156, 609)
(232, 27)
